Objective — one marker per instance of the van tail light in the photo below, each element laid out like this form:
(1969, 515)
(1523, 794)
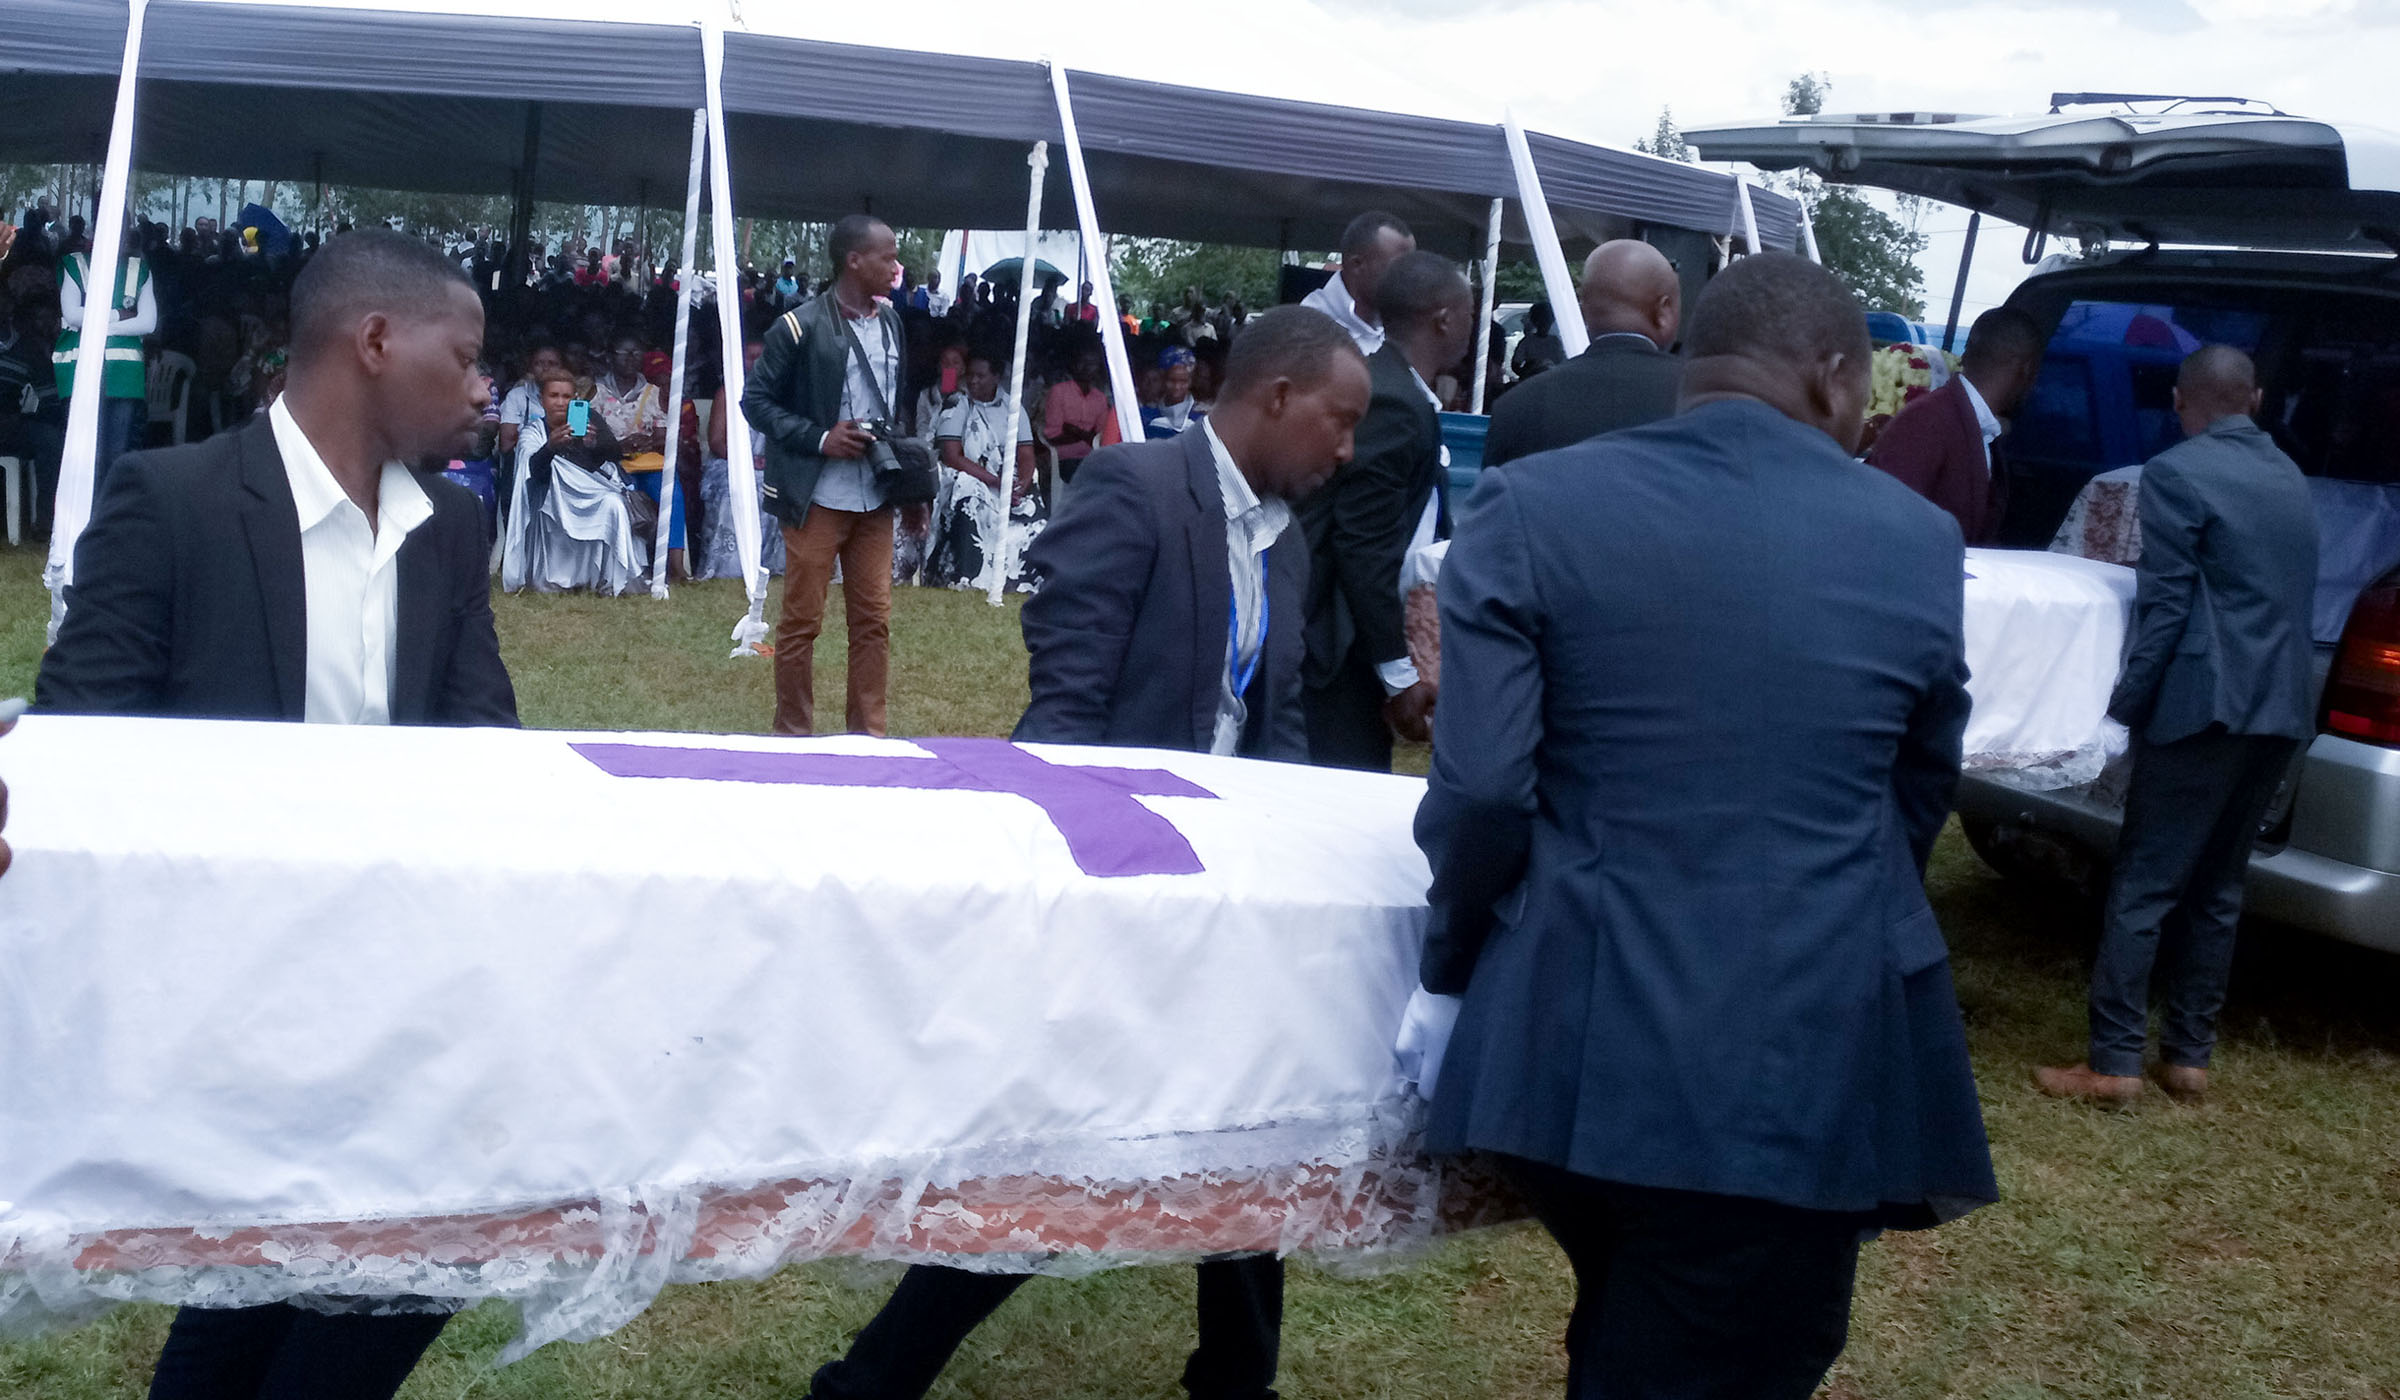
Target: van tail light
(2362, 694)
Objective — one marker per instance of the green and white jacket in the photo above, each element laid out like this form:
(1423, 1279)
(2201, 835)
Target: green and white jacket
(124, 376)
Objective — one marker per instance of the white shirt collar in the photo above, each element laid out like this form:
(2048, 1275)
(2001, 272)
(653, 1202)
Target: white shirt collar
(1425, 389)
(1260, 519)
(1984, 418)
(401, 505)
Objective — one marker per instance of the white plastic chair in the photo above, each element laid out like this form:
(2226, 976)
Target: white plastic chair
(12, 482)
(171, 376)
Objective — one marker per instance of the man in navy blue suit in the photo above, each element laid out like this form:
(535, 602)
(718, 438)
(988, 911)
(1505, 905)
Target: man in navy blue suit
(1160, 540)
(1703, 696)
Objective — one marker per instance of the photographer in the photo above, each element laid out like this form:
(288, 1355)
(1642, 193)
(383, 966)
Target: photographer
(823, 396)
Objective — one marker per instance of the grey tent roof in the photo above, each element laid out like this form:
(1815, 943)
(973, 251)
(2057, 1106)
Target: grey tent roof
(440, 102)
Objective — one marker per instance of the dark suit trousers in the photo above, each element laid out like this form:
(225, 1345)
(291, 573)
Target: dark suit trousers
(1346, 727)
(900, 1353)
(2175, 901)
(1685, 1296)
(280, 1352)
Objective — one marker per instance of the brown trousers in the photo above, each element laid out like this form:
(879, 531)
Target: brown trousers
(862, 542)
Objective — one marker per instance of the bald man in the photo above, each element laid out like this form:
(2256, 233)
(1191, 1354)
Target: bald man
(2217, 691)
(1632, 305)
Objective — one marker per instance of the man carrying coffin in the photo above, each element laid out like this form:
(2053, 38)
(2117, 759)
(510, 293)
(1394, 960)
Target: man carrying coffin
(1159, 539)
(1687, 770)
(302, 570)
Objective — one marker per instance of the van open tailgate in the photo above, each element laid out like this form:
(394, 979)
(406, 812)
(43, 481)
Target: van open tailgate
(2235, 178)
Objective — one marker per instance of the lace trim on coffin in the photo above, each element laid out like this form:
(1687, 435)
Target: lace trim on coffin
(1361, 1197)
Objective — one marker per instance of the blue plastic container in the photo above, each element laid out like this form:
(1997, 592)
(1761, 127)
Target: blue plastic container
(1463, 434)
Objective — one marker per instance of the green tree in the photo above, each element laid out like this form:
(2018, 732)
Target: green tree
(1873, 253)
(1667, 141)
(1150, 270)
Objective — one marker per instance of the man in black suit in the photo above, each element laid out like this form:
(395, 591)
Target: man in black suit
(1159, 540)
(1632, 305)
(2217, 689)
(1361, 684)
(300, 570)
(1687, 771)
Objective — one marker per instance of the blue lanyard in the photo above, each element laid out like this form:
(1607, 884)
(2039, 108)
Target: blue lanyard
(1243, 675)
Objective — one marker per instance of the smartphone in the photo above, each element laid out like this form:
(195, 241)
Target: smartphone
(949, 382)
(579, 418)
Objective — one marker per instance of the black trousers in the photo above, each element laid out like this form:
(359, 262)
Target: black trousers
(2175, 898)
(900, 1353)
(280, 1352)
(1346, 727)
(1685, 1296)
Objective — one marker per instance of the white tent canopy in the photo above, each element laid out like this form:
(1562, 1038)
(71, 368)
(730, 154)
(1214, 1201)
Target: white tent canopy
(590, 110)
(443, 102)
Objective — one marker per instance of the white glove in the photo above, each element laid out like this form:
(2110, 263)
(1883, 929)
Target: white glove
(1424, 1037)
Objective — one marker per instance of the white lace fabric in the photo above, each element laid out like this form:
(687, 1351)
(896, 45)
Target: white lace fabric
(1357, 1193)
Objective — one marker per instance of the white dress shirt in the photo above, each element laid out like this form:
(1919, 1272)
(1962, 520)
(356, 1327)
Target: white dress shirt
(1400, 673)
(1251, 525)
(1334, 300)
(848, 483)
(351, 578)
(1985, 420)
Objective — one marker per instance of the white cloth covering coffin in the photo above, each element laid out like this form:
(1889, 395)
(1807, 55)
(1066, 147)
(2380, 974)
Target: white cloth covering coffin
(310, 1010)
(2045, 640)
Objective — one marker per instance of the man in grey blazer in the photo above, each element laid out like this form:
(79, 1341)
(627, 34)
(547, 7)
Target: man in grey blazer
(1632, 305)
(1169, 617)
(2217, 691)
(1687, 769)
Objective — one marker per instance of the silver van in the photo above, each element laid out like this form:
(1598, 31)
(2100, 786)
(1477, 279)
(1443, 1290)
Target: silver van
(2313, 294)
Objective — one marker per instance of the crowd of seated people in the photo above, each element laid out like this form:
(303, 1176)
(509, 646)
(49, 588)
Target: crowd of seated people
(593, 324)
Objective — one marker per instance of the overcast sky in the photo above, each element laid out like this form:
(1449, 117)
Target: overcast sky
(1600, 70)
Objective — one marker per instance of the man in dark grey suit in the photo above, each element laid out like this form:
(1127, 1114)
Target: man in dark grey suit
(1362, 684)
(1687, 770)
(1632, 305)
(256, 576)
(2216, 689)
(1158, 541)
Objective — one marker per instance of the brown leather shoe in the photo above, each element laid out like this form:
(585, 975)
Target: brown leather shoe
(2082, 1082)
(2185, 1085)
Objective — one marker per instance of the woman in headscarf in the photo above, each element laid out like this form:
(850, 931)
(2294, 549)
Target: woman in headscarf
(1175, 410)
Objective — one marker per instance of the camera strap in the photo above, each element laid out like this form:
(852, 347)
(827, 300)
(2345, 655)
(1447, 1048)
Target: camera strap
(858, 352)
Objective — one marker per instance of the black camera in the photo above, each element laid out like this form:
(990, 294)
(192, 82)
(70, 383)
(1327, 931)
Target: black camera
(880, 456)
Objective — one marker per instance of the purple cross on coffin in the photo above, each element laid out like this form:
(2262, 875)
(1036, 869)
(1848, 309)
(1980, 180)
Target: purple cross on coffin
(1107, 831)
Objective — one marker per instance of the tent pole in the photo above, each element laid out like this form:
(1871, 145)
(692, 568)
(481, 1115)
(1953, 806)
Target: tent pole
(520, 219)
(1958, 294)
(741, 472)
(1491, 295)
(1741, 195)
(1546, 250)
(681, 358)
(74, 507)
(997, 552)
(1104, 291)
(1808, 234)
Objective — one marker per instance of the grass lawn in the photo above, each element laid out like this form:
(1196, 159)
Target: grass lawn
(2247, 1249)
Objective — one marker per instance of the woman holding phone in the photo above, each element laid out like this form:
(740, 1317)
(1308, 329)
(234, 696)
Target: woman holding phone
(570, 520)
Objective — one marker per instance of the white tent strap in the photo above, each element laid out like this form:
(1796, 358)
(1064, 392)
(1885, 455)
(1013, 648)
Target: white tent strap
(997, 552)
(1483, 326)
(1546, 250)
(1741, 195)
(1112, 330)
(681, 363)
(1808, 233)
(78, 467)
(741, 471)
